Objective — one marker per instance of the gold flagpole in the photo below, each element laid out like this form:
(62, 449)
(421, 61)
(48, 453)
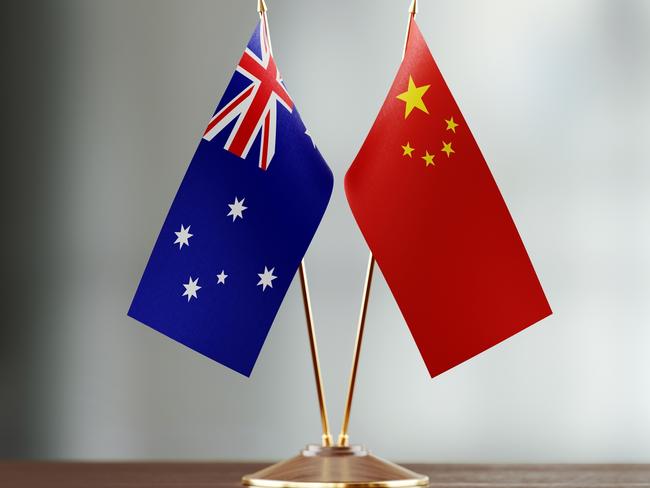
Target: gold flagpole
(343, 439)
(326, 436)
(343, 436)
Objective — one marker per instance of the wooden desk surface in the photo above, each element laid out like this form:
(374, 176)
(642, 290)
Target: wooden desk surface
(25, 474)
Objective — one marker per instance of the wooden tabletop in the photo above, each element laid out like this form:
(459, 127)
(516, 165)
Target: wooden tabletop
(25, 474)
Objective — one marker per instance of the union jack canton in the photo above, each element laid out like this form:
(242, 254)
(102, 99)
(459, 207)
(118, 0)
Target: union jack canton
(255, 106)
(235, 234)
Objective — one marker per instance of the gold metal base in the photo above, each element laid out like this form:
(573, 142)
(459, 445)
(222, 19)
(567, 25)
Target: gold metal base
(335, 467)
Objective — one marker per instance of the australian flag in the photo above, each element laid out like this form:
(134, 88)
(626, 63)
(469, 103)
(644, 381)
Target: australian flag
(242, 220)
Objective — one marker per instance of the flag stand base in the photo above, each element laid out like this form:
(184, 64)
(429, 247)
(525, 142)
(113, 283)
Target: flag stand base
(335, 467)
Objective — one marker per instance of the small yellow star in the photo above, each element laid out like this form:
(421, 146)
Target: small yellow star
(451, 125)
(428, 159)
(407, 150)
(446, 148)
(413, 97)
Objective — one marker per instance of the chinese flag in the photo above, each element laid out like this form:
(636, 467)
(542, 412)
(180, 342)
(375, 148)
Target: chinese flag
(436, 223)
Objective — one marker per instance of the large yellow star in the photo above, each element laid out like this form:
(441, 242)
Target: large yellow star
(407, 150)
(446, 148)
(451, 125)
(413, 97)
(428, 159)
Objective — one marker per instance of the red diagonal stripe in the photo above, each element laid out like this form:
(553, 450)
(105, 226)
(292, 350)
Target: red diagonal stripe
(228, 108)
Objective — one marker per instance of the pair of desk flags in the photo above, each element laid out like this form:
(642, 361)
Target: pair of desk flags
(420, 191)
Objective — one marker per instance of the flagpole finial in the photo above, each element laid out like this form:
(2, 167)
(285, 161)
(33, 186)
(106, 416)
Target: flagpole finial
(261, 6)
(413, 9)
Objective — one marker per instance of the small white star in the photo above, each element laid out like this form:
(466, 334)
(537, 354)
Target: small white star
(310, 137)
(191, 288)
(237, 209)
(221, 277)
(183, 236)
(266, 278)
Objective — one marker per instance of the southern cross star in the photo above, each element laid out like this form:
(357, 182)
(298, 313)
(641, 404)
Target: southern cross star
(191, 288)
(266, 278)
(183, 236)
(237, 209)
(221, 277)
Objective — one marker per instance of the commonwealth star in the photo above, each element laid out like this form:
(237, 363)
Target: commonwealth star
(183, 236)
(237, 209)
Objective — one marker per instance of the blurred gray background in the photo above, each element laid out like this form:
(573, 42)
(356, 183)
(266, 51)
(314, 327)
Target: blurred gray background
(103, 106)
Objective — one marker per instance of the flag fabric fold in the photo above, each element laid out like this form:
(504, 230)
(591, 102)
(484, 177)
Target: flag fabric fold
(434, 218)
(242, 220)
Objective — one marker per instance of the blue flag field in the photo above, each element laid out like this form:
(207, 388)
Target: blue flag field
(242, 220)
